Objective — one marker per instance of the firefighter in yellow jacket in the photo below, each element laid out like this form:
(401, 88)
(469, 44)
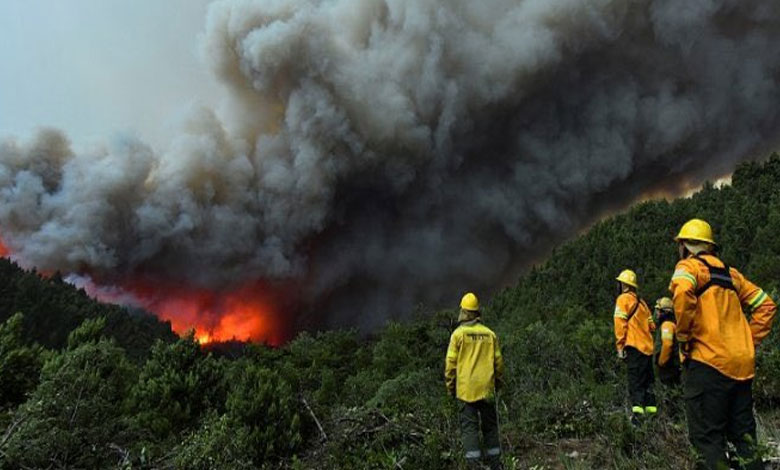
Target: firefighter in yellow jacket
(473, 369)
(718, 344)
(634, 329)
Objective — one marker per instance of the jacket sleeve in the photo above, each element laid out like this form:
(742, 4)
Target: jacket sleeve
(498, 364)
(758, 304)
(621, 322)
(451, 362)
(667, 343)
(683, 289)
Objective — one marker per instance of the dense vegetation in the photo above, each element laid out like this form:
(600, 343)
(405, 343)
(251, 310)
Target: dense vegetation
(53, 308)
(103, 396)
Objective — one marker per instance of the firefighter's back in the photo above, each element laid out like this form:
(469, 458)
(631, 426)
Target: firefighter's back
(476, 372)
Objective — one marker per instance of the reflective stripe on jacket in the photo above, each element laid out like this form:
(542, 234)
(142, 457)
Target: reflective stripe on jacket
(474, 362)
(712, 320)
(636, 331)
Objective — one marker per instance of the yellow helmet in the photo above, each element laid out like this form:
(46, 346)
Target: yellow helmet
(628, 277)
(697, 230)
(664, 303)
(469, 302)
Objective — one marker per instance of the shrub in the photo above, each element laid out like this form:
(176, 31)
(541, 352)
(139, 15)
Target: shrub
(261, 423)
(176, 386)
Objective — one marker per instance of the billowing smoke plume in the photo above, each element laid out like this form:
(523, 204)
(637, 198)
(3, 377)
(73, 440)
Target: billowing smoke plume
(378, 153)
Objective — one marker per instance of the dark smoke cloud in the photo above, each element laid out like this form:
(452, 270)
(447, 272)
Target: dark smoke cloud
(379, 153)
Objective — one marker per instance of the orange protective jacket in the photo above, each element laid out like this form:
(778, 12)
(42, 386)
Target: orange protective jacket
(667, 342)
(633, 330)
(713, 322)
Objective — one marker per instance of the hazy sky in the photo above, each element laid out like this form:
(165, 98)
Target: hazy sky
(98, 68)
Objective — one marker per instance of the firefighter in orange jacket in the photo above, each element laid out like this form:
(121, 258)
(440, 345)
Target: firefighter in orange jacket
(718, 344)
(634, 329)
(666, 349)
(473, 368)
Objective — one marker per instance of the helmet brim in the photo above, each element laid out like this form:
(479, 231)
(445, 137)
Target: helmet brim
(628, 283)
(679, 239)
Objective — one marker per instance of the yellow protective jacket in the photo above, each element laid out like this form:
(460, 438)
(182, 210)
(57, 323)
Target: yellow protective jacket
(633, 330)
(709, 303)
(474, 363)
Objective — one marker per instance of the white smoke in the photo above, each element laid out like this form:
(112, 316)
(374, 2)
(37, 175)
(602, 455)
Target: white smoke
(380, 153)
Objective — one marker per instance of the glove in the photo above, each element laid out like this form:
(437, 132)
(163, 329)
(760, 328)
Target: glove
(621, 354)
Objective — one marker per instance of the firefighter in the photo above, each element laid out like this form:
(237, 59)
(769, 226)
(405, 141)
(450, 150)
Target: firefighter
(634, 327)
(667, 357)
(718, 346)
(473, 369)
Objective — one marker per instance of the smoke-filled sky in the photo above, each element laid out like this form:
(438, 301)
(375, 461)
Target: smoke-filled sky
(97, 68)
(368, 155)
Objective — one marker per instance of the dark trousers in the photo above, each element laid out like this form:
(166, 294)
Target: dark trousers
(669, 375)
(473, 417)
(719, 408)
(639, 368)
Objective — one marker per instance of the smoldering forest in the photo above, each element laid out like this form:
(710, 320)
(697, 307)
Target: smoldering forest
(373, 155)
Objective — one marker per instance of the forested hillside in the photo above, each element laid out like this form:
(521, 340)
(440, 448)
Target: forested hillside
(336, 400)
(52, 308)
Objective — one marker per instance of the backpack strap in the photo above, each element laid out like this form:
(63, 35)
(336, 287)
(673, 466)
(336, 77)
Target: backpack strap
(636, 307)
(720, 277)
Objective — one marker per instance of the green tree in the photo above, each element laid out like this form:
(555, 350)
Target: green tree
(72, 419)
(20, 364)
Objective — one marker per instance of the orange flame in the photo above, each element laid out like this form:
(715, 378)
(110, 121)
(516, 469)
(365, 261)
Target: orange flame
(243, 314)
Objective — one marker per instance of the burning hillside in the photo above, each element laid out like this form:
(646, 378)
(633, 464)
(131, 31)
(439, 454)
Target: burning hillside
(380, 153)
(245, 313)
